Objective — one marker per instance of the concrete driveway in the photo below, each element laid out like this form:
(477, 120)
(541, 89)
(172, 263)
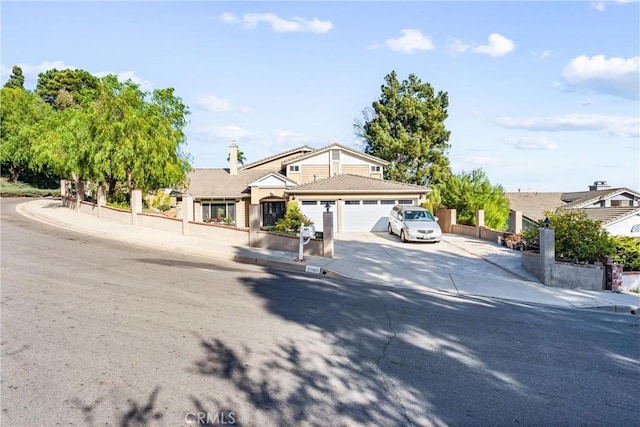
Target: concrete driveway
(451, 265)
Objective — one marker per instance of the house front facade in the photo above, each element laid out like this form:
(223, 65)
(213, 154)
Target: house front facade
(348, 182)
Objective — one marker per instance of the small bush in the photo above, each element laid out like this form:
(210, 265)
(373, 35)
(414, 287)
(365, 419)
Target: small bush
(293, 219)
(627, 252)
(164, 208)
(577, 237)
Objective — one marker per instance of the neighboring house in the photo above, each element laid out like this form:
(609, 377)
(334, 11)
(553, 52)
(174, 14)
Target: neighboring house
(618, 209)
(348, 181)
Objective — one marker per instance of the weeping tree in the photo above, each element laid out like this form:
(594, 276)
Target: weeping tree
(405, 126)
(124, 137)
(21, 116)
(139, 136)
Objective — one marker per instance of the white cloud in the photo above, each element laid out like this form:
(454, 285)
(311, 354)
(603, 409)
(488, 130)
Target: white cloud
(615, 76)
(212, 133)
(532, 143)
(123, 76)
(411, 41)
(29, 70)
(600, 5)
(498, 46)
(279, 25)
(545, 54)
(458, 46)
(626, 126)
(215, 104)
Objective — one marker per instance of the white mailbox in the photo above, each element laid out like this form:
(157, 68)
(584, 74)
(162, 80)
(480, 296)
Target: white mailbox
(308, 231)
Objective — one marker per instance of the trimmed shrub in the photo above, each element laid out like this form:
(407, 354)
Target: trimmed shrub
(292, 219)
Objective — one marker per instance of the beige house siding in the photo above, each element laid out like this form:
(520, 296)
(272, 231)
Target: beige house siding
(375, 175)
(242, 213)
(309, 172)
(362, 170)
(294, 176)
(258, 194)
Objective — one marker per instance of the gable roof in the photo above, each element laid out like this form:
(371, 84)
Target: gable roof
(348, 184)
(533, 205)
(303, 149)
(612, 214)
(369, 157)
(218, 183)
(583, 198)
(273, 180)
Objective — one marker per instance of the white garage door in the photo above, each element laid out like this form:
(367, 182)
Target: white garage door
(313, 209)
(366, 215)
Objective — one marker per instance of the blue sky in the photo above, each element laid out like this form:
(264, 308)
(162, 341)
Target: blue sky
(544, 96)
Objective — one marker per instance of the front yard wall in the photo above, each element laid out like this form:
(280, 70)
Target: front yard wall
(566, 275)
(465, 230)
(287, 243)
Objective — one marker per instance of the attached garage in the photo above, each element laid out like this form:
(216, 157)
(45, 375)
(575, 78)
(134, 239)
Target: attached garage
(359, 204)
(313, 210)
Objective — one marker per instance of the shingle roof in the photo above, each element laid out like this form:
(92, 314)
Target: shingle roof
(218, 182)
(607, 215)
(275, 156)
(533, 205)
(348, 183)
(581, 198)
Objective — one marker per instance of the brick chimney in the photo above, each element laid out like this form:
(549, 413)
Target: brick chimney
(233, 158)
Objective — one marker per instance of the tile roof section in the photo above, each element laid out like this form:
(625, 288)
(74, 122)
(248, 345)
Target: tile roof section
(218, 183)
(348, 183)
(319, 150)
(533, 205)
(608, 215)
(275, 156)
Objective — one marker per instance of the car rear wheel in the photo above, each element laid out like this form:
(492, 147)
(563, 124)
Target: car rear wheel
(403, 238)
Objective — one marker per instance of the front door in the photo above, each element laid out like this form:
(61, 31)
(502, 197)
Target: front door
(272, 212)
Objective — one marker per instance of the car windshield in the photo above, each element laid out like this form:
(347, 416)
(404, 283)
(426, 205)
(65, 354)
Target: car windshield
(419, 216)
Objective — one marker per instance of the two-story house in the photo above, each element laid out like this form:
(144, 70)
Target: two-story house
(350, 183)
(617, 209)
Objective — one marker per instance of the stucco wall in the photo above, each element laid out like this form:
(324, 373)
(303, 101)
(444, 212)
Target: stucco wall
(566, 275)
(160, 223)
(228, 235)
(489, 234)
(287, 243)
(465, 230)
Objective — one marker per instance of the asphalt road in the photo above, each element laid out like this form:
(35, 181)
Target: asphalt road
(94, 332)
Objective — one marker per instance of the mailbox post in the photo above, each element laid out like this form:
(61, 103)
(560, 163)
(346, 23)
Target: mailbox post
(306, 232)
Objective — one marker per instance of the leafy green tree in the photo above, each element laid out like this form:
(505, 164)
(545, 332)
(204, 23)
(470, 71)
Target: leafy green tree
(577, 236)
(80, 84)
(405, 126)
(21, 115)
(468, 192)
(627, 252)
(16, 79)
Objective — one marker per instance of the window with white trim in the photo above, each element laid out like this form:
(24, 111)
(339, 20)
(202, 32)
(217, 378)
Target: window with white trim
(375, 168)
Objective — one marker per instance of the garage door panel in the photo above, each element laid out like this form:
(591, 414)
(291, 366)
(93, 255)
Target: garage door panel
(361, 217)
(314, 211)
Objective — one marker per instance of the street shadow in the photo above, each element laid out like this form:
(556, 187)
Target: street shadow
(134, 414)
(165, 262)
(380, 355)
